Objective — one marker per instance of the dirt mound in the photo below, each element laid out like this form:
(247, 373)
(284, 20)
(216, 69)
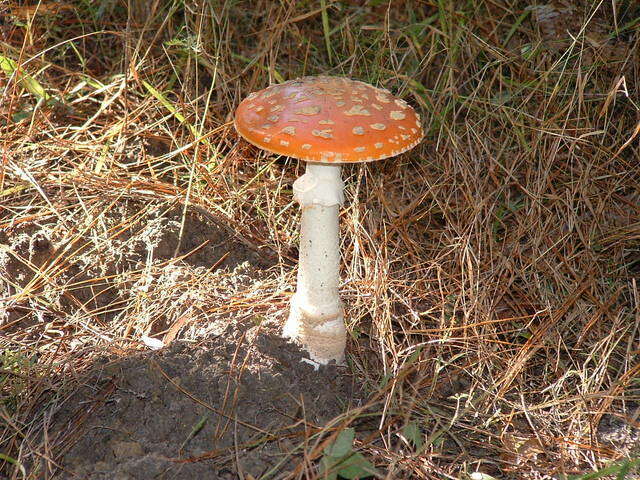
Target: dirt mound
(240, 404)
(151, 262)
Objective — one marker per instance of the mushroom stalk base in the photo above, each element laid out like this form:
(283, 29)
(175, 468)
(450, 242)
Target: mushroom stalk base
(316, 319)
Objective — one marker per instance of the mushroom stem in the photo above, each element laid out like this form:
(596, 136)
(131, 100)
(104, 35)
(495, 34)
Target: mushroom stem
(316, 318)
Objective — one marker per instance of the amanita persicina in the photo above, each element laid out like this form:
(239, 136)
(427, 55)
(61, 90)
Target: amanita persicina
(325, 121)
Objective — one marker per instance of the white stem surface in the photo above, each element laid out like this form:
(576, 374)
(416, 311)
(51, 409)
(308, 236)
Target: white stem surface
(316, 318)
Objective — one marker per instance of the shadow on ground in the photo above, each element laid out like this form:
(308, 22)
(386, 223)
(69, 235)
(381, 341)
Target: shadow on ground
(239, 404)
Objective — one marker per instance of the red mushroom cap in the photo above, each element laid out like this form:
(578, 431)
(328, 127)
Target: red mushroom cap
(328, 120)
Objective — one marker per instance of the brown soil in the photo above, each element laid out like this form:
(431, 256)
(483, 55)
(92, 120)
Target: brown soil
(255, 401)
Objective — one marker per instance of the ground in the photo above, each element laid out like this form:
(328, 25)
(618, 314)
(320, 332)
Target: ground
(240, 404)
(225, 396)
(148, 253)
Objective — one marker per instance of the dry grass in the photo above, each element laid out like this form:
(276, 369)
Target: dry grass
(490, 274)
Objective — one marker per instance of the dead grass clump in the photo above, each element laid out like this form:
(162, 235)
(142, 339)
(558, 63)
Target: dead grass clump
(491, 273)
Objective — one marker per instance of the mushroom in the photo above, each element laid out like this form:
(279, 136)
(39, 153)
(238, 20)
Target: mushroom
(325, 121)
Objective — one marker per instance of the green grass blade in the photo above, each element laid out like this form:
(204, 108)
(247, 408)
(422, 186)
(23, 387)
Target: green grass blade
(169, 106)
(15, 462)
(325, 27)
(10, 67)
